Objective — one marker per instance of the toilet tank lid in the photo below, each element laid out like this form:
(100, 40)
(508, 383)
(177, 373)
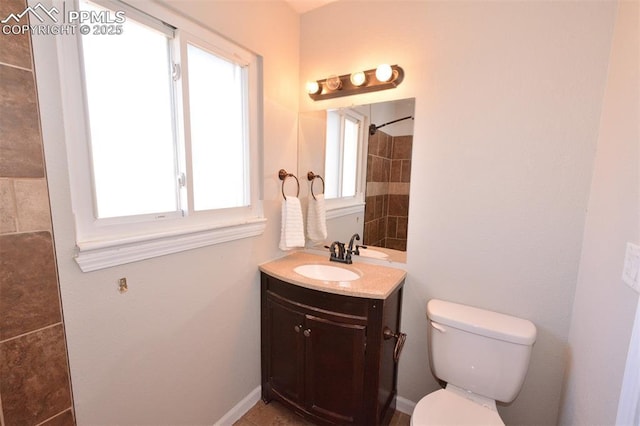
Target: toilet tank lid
(482, 322)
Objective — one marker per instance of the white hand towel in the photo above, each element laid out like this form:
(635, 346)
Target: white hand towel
(292, 229)
(316, 219)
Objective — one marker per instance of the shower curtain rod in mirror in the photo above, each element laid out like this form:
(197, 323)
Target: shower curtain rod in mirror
(373, 128)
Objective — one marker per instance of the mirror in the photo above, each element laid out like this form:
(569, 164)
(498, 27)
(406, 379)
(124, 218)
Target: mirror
(366, 186)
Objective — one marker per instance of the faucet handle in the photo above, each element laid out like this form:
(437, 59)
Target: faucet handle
(332, 250)
(339, 254)
(357, 250)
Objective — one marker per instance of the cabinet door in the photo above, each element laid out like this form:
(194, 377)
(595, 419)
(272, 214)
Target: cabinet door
(334, 369)
(285, 351)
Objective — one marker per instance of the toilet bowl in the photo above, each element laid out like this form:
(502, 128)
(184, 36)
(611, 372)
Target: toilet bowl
(448, 408)
(483, 356)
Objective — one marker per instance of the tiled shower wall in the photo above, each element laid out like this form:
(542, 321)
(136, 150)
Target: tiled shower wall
(34, 373)
(387, 195)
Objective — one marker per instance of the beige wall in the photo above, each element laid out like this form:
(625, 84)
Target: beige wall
(604, 308)
(182, 346)
(508, 98)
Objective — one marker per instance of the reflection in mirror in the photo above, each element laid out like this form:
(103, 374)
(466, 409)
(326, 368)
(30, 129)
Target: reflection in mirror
(343, 152)
(388, 178)
(364, 152)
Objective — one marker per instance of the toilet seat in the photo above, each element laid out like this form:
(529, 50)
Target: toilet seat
(447, 408)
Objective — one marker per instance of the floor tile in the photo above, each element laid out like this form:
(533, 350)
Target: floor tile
(275, 414)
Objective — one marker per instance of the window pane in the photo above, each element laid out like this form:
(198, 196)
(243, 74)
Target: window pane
(218, 131)
(332, 167)
(128, 89)
(350, 164)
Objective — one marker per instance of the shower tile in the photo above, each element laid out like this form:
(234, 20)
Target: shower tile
(387, 146)
(373, 144)
(403, 228)
(7, 207)
(392, 227)
(32, 201)
(369, 209)
(396, 244)
(15, 49)
(379, 207)
(382, 228)
(398, 205)
(20, 146)
(377, 174)
(402, 147)
(386, 169)
(396, 171)
(35, 377)
(405, 175)
(28, 284)
(367, 239)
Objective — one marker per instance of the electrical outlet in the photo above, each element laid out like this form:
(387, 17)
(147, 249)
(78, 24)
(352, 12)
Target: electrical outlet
(631, 270)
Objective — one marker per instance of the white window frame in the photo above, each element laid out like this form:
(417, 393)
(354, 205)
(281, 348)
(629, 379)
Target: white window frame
(343, 206)
(109, 242)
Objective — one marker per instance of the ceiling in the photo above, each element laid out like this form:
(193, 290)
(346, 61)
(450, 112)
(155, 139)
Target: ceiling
(302, 6)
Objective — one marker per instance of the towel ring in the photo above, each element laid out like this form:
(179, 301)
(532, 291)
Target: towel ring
(283, 175)
(312, 176)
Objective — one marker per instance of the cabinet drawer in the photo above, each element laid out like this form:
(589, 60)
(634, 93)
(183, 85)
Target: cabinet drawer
(317, 300)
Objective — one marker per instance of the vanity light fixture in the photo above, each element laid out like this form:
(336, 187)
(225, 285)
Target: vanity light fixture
(381, 78)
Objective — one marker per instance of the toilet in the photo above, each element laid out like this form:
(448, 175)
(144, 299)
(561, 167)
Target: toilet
(483, 356)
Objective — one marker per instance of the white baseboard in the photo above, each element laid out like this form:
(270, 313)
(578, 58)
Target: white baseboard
(240, 408)
(404, 405)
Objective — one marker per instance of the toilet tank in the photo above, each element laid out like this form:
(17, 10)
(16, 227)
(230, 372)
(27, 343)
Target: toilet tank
(480, 351)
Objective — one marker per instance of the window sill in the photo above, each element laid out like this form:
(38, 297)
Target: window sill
(339, 209)
(95, 255)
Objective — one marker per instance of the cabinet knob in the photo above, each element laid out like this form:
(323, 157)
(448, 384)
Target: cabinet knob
(307, 332)
(297, 328)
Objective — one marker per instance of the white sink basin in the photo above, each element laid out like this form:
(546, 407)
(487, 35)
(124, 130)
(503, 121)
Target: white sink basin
(326, 272)
(376, 254)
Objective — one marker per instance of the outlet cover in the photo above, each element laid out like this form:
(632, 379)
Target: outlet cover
(631, 270)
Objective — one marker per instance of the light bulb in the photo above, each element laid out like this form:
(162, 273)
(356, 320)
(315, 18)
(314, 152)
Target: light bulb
(358, 78)
(313, 87)
(384, 72)
(334, 82)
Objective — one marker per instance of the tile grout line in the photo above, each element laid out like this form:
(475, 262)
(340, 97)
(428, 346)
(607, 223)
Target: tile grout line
(30, 231)
(16, 67)
(30, 332)
(54, 416)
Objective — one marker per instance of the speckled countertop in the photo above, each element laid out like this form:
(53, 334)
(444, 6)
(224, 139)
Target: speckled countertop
(375, 281)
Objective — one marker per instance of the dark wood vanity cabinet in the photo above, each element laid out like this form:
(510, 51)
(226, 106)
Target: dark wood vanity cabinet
(324, 354)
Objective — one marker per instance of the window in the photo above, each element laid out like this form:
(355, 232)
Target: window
(167, 114)
(345, 151)
(129, 105)
(218, 137)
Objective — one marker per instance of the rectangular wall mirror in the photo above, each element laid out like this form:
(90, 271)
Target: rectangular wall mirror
(364, 154)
